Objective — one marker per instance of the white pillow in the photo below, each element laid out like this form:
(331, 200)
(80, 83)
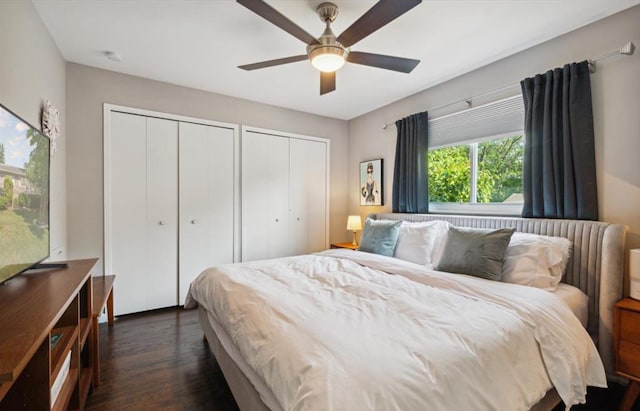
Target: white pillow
(416, 241)
(536, 260)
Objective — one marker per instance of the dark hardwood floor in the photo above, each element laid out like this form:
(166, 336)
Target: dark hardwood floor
(159, 361)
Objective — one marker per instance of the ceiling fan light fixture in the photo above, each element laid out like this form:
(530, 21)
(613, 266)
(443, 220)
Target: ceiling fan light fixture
(328, 58)
(329, 53)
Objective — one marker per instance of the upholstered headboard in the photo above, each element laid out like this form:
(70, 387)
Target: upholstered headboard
(596, 265)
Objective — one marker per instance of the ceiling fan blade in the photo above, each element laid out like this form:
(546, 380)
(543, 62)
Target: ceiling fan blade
(276, 62)
(380, 14)
(327, 82)
(270, 14)
(401, 64)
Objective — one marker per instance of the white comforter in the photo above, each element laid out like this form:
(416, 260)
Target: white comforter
(345, 330)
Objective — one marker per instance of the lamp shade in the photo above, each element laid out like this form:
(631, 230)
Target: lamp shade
(354, 223)
(634, 273)
(327, 58)
(327, 63)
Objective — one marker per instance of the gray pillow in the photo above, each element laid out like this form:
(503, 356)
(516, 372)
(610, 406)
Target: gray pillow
(475, 252)
(380, 237)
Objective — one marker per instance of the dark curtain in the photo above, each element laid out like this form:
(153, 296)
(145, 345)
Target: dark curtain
(559, 174)
(410, 183)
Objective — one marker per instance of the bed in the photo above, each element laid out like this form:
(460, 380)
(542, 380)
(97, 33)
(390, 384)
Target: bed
(276, 359)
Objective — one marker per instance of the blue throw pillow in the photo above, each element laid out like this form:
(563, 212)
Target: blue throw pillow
(380, 237)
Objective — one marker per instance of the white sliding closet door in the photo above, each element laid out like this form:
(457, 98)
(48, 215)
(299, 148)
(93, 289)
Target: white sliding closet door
(284, 195)
(171, 199)
(308, 195)
(265, 196)
(129, 139)
(278, 197)
(206, 200)
(143, 208)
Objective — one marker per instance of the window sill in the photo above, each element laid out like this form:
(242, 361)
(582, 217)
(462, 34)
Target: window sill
(499, 209)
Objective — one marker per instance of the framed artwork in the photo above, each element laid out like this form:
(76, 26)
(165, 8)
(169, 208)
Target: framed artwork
(371, 187)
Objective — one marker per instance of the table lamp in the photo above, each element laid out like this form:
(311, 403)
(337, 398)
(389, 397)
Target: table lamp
(354, 223)
(634, 273)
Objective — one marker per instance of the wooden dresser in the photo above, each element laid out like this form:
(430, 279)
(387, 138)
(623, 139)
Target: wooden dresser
(45, 324)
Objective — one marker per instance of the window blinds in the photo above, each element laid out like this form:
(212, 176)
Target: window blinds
(494, 119)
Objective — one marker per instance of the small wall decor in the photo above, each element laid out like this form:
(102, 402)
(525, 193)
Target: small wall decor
(51, 124)
(371, 187)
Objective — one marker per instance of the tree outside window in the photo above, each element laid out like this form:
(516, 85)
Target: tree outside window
(483, 172)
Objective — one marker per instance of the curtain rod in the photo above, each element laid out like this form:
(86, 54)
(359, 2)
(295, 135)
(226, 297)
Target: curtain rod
(627, 49)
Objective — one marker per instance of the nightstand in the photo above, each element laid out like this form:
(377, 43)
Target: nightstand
(626, 343)
(345, 245)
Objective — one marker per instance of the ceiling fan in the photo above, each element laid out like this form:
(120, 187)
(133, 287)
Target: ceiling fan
(328, 53)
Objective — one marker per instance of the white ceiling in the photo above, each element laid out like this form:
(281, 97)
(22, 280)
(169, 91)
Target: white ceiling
(200, 43)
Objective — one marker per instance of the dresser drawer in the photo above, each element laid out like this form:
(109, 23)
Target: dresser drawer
(629, 358)
(630, 326)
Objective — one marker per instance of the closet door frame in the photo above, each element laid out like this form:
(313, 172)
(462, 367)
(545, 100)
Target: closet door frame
(277, 133)
(107, 157)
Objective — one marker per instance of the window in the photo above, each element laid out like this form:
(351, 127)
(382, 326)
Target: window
(486, 172)
(476, 173)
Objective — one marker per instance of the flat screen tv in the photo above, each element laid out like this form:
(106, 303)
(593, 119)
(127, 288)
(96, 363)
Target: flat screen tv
(24, 195)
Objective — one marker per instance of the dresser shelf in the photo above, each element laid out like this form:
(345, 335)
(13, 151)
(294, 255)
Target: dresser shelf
(49, 313)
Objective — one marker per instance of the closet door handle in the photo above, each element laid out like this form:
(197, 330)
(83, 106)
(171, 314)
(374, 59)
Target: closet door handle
(277, 220)
(161, 222)
(193, 221)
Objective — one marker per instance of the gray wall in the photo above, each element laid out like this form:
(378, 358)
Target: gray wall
(31, 71)
(616, 109)
(88, 88)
